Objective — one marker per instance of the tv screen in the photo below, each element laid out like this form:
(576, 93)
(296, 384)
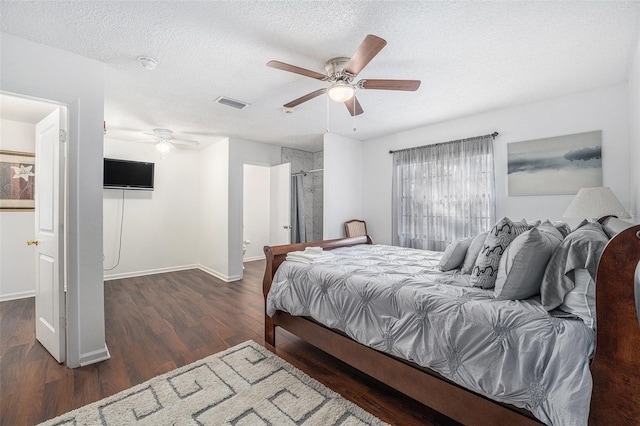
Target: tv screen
(124, 174)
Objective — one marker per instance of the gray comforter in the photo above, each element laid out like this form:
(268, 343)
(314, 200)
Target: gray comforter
(394, 300)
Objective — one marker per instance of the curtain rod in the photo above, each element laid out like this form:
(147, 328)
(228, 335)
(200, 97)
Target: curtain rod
(302, 172)
(493, 135)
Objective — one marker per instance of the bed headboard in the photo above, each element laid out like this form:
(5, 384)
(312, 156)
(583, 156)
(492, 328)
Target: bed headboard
(617, 359)
(637, 286)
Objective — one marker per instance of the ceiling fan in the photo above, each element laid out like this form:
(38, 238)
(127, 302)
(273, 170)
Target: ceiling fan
(340, 73)
(164, 140)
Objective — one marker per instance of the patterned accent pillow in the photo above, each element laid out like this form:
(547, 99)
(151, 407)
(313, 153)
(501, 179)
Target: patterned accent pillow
(485, 271)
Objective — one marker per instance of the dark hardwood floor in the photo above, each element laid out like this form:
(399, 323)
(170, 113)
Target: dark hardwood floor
(157, 323)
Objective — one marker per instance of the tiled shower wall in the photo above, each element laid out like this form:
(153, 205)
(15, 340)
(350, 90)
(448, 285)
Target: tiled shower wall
(312, 183)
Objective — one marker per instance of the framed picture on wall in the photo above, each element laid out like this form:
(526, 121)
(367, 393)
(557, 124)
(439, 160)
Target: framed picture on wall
(555, 166)
(17, 180)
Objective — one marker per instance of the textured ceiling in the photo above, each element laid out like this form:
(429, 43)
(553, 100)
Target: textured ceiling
(471, 57)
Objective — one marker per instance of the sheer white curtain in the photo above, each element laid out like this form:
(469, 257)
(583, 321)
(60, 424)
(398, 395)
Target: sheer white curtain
(443, 192)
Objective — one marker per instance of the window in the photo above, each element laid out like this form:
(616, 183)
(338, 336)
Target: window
(443, 192)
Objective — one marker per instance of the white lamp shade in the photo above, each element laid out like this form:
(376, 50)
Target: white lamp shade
(594, 203)
(341, 92)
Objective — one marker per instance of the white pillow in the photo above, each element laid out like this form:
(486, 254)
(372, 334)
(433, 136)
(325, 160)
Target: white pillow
(472, 253)
(454, 254)
(522, 266)
(581, 301)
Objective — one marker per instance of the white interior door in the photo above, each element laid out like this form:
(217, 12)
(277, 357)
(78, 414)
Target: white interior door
(49, 235)
(280, 204)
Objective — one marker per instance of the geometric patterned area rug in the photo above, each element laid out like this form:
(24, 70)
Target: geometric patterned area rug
(243, 385)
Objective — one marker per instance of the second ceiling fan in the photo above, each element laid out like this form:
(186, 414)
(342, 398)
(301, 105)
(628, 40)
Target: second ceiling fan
(340, 73)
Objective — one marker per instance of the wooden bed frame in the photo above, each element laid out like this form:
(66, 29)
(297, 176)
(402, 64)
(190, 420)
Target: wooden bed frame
(616, 367)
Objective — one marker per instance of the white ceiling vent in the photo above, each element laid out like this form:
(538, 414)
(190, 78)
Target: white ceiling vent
(231, 102)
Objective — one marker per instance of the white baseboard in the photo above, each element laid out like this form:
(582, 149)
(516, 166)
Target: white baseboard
(225, 278)
(95, 356)
(18, 295)
(252, 258)
(149, 272)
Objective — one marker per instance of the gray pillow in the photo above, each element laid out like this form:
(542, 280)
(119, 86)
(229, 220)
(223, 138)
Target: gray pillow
(581, 224)
(563, 227)
(581, 301)
(612, 225)
(581, 249)
(522, 266)
(551, 228)
(454, 254)
(472, 253)
(485, 271)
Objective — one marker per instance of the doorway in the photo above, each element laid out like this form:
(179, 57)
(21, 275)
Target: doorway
(19, 262)
(266, 208)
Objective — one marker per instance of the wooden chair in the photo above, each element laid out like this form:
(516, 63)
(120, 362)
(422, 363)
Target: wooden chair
(355, 228)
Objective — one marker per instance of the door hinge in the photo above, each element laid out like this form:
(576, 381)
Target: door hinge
(63, 135)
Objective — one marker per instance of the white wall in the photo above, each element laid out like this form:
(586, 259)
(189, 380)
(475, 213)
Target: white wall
(17, 273)
(160, 227)
(256, 202)
(243, 152)
(192, 219)
(213, 250)
(605, 109)
(343, 184)
(634, 136)
(44, 72)
(221, 197)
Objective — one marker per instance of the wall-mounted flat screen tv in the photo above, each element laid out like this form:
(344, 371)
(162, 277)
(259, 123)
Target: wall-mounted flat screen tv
(125, 174)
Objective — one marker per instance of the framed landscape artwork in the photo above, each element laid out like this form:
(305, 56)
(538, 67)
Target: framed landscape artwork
(555, 166)
(17, 180)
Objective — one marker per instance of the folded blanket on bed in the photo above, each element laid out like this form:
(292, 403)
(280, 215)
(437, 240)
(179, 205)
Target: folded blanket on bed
(310, 255)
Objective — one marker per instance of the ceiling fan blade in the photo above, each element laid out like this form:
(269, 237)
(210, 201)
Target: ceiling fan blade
(297, 70)
(367, 50)
(354, 109)
(184, 142)
(410, 85)
(147, 141)
(305, 98)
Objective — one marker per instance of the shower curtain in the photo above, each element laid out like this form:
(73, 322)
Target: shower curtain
(298, 229)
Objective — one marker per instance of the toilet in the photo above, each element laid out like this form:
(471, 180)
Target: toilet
(244, 250)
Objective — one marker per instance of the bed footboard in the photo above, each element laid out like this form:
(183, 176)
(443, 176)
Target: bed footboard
(275, 255)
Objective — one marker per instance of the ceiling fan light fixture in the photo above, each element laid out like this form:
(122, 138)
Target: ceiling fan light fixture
(163, 146)
(341, 92)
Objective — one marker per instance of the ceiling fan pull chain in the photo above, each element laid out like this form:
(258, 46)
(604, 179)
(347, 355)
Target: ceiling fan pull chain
(354, 112)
